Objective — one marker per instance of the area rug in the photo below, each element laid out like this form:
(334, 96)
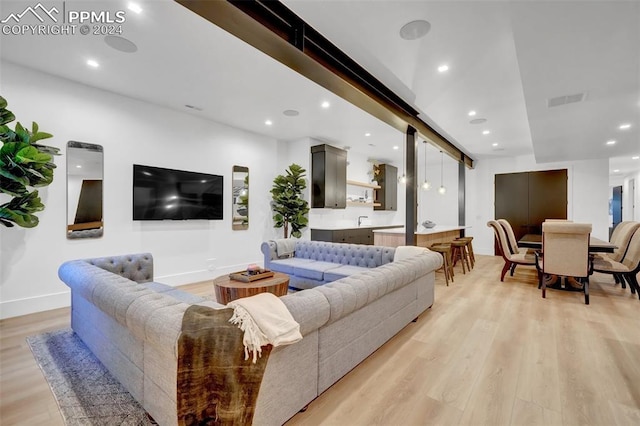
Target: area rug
(86, 392)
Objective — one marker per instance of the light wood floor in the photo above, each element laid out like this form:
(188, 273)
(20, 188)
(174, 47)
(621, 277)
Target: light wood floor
(487, 353)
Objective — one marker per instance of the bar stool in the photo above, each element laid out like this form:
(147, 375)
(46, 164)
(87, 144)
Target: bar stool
(472, 257)
(447, 268)
(459, 251)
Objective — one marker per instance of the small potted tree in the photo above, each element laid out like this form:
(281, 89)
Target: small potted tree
(24, 164)
(290, 209)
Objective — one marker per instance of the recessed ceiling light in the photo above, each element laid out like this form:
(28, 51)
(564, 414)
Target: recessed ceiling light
(616, 170)
(325, 104)
(443, 68)
(472, 113)
(290, 112)
(367, 134)
(494, 144)
(268, 122)
(134, 7)
(93, 63)
(120, 44)
(415, 29)
(78, 166)
(486, 132)
(396, 147)
(611, 142)
(635, 157)
(478, 121)
(624, 126)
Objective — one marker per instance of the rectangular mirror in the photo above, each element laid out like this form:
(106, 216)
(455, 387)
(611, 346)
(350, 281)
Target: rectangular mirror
(240, 201)
(84, 190)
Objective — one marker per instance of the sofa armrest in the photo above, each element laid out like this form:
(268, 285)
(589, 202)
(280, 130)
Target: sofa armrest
(268, 249)
(309, 308)
(136, 267)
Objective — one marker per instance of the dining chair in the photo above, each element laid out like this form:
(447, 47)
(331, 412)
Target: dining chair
(565, 252)
(621, 237)
(510, 259)
(628, 268)
(513, 242)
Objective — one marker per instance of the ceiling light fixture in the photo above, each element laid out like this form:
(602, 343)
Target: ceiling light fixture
(494, 144)
(635, 157)
(616, 170)
(325, 104)
(426, 185)
(402, 179)
(367, 134)
(134, 7)
(268, 122)
(611, 142)
(472, 113)
(442, 189)
(624, 126)
(396, 147)
(443, 68)
(93, 63)
(415, 29)
(78, 166)
(486, 132)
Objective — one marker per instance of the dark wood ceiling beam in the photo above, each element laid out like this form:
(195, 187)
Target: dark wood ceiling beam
(278, 32)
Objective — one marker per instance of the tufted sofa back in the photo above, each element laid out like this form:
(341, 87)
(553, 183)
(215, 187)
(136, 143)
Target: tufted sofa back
(345, 254)
(138, 267)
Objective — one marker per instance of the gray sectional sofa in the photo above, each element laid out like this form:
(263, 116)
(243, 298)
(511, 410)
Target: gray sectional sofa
(313, 263)
(132, 324)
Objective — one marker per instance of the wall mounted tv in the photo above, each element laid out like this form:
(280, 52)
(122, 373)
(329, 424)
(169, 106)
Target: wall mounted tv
(160, 194)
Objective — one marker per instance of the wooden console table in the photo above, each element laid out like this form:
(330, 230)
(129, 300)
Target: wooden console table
(227, 289)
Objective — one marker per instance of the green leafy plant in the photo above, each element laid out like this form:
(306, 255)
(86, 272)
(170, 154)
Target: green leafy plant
(290, 209)
(23, 164)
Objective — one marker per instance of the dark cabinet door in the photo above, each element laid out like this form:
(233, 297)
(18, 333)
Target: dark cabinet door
(328, 177)
(387, 196)
(512, 201)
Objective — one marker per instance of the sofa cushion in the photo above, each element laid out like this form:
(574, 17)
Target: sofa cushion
(314, 270)
(343, 271)
(286, 265)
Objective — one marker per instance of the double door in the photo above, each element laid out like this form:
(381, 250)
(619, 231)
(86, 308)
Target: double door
(527, 199)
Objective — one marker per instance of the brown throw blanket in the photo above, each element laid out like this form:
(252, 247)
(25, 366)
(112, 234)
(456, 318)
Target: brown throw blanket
(216, 385)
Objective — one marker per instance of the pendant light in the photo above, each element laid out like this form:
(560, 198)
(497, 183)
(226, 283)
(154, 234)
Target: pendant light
(426, 185)
(403, 179)
(442, 189)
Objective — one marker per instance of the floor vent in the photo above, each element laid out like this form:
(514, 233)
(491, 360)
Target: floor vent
(567, 99)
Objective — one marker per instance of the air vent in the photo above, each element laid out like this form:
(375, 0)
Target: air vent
(567, 99)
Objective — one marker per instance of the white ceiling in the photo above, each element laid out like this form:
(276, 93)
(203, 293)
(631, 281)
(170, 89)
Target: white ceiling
(506, 60)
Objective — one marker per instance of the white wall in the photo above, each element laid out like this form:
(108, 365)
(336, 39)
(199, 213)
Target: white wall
(439, 208)
(130, 132)
(588, 194)
(631, 197)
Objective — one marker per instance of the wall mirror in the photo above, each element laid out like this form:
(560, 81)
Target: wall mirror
(84, 190)
(240, 194)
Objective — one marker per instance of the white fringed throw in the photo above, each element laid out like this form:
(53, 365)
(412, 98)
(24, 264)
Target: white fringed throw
(264, 320)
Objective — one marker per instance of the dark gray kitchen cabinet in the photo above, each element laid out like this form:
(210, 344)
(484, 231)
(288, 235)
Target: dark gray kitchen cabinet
(386, 198)
(328, 177)
(350, 236)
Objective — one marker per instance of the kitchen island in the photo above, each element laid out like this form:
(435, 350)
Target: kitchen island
(425, 237)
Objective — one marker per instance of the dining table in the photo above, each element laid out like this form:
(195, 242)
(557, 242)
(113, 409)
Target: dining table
(596, 245)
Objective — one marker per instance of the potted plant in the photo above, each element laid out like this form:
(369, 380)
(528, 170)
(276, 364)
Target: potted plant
(23, 164)
(290, 209)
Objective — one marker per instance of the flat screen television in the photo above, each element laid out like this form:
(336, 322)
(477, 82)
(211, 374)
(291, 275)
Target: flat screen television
(167, 194)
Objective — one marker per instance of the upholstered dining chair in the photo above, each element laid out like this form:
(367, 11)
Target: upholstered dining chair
(628, 268)
(510, 259)
(565, 252)
(621, 237)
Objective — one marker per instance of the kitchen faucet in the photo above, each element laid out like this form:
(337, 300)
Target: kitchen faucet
(360, 219)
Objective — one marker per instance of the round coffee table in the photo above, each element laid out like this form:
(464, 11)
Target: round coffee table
(228, 289)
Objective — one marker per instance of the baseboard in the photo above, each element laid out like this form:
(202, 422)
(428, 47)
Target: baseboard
(30, 305)
(46, 302)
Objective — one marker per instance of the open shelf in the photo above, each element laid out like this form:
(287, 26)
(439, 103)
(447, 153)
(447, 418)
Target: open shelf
(363, 184)
(358, 204)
